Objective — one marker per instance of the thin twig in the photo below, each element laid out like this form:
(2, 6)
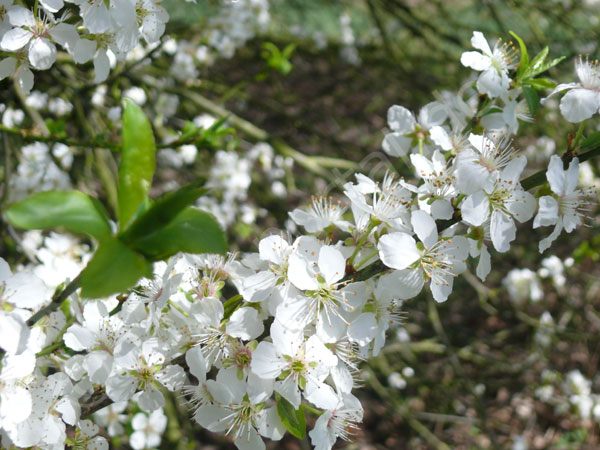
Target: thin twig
(57, 299)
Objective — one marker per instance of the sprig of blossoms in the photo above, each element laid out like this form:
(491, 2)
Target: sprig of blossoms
(286, 327)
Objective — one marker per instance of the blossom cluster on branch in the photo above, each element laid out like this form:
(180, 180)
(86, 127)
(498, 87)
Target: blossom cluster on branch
(255, 342)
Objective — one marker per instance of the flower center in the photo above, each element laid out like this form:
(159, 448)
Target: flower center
(243, 357)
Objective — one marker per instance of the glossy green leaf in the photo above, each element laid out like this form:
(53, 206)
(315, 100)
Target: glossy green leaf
(292, 419)
(524, 63)
(113, 268)
(538, 61)
(532, 98)
(162, 212)
(543, 67)
(138, 162)
(75, 211)
(191, 231)
(541, 83)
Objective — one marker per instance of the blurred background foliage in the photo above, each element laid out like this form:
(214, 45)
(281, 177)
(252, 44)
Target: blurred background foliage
(463, 374)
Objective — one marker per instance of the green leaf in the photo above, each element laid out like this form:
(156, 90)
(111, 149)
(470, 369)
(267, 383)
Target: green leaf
(138, 163)
(292, 419)
(544, 67)
(231, 305)
(538, 61)
(541, 83)
(533, 100)
(288, 50)
(162, 212)
(492, 110)
(113, 268)
(73, 210)
(593, 140)
(191, 231)
(524, 63)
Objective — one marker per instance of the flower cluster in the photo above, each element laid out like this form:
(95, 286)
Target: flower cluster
(104, 30)
(253, 341)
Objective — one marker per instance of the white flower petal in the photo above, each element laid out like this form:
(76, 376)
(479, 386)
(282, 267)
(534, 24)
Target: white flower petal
(479, 41)
(7, 67)
(400, 119)
(52, 5)
(212, 417)
(521, 205)
(271, 249)
(572, 176)
(196, 363)
(266, 361)
(440, 137)
(425, 228)
(15, 39)
(21, 17)
(556, 175)
(245, 324)
(258, 287)
(484, 265)
(332, 264)
(66, 35)
(300, 273)
(25, 78)
(150, 399)
(502, 231)
(362, 329)
(475, 209)
(101, 66)
(578, 104)
(442, 209)
(441, 290)
(79, 338)
(172, 377)
(559, 88)
(42, 53)
(400, 284)
(396, 144)
(475, 61)
(289, 390)
(547, 242)
(492, 83)
(432, 114)
(512, 171)
(98, 366)
(398, 250)
(547, 212)
(69, 410)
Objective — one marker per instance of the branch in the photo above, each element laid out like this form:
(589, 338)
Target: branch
(539, 178)
(57, 299)
(30, 136)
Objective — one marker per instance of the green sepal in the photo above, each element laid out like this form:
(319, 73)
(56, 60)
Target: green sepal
(292, 419)
(524, 63)
(231, 305)
(532, 98)
(593, 140)
(302, 382)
